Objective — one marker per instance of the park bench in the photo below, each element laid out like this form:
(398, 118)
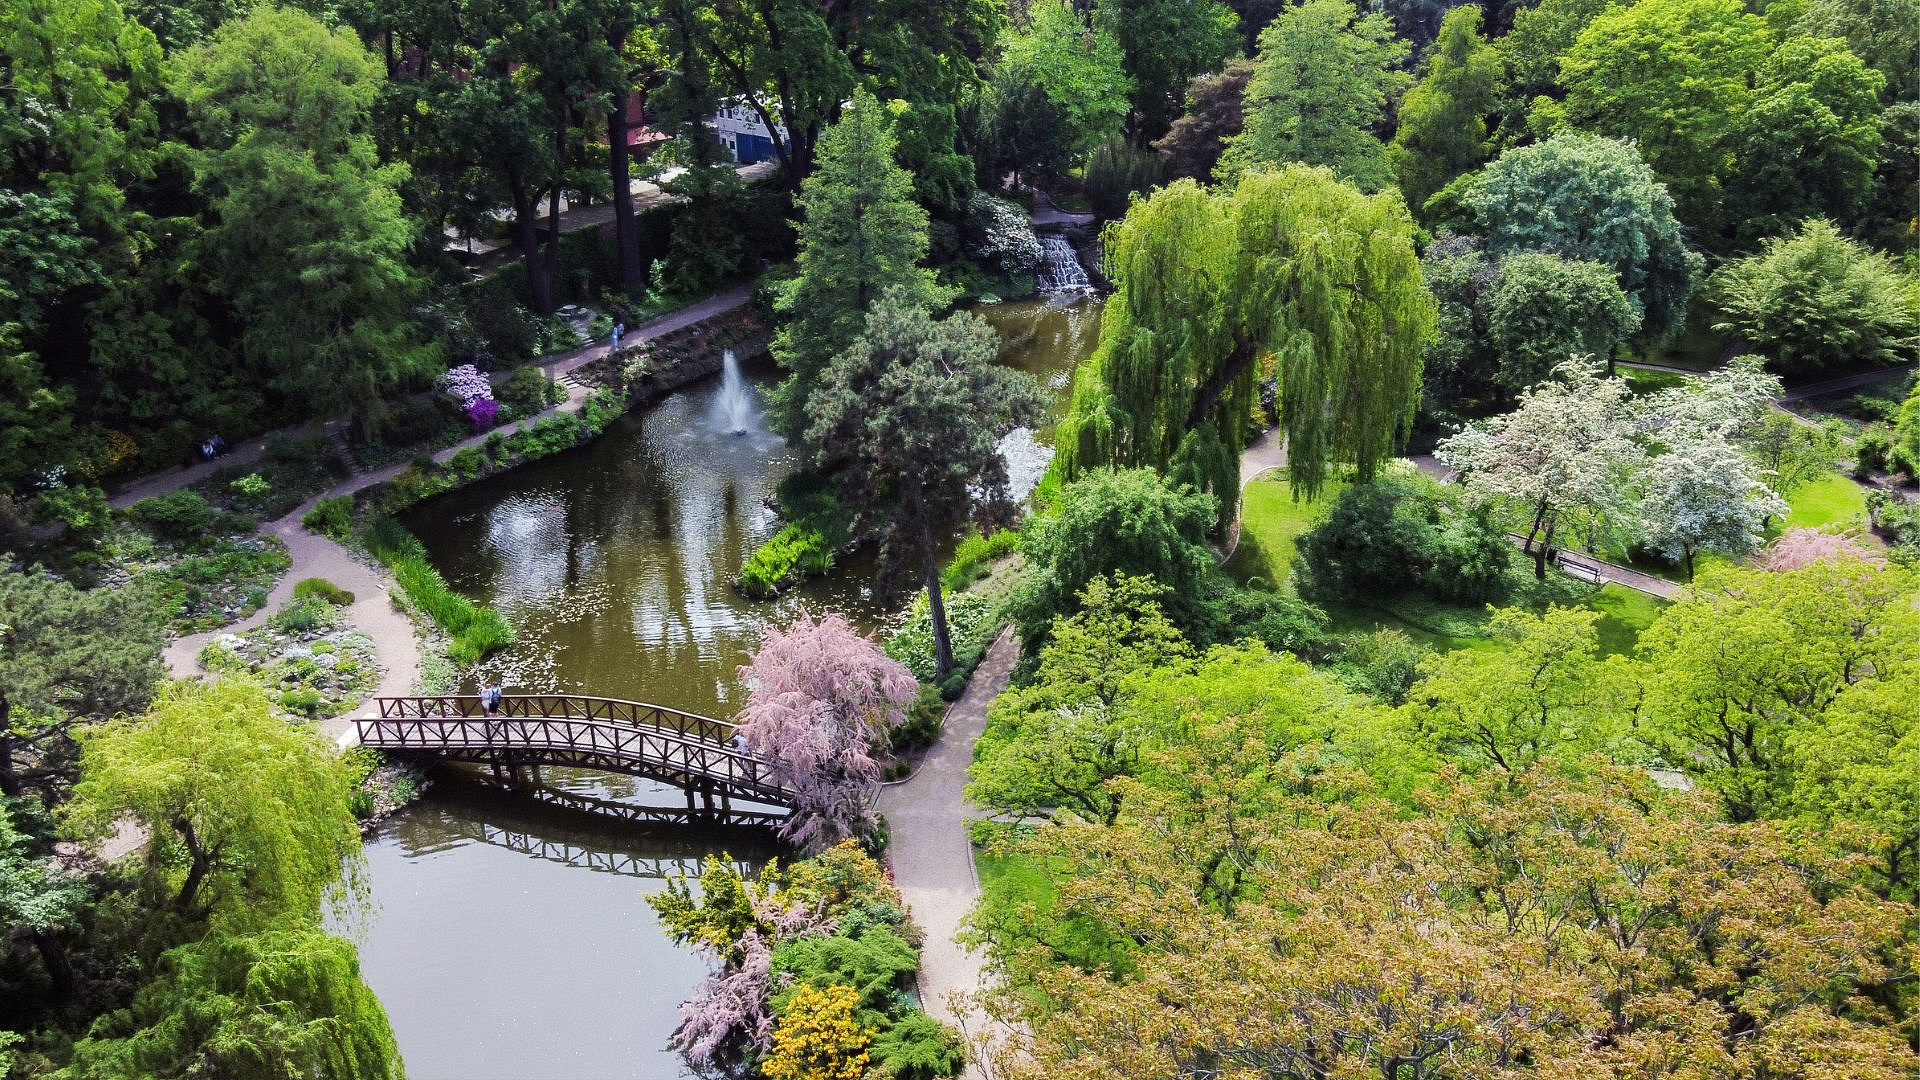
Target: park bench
(1585, 571)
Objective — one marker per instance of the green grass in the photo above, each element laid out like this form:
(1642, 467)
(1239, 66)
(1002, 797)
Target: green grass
(1271, 523)
(1624, 613)
(1830, 500)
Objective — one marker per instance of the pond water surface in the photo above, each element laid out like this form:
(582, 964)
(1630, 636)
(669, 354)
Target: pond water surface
(513, 939)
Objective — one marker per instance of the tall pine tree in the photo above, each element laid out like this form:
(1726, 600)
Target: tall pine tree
(861, 234)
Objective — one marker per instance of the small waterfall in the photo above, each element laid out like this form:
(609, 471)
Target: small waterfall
(1060, 269)
(733, 411)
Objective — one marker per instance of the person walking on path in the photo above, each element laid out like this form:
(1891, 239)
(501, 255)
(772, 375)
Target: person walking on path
(619, 329)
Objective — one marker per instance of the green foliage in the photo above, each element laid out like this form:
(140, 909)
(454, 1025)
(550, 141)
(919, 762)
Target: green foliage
(308, 240)
(1116, 172)
(65, 653)
(527, 391)
(918, 1047)
(922, 725)
(1382, 664)
(82, 508)
(1674, 76)
(1163, 44)
(1545, 308)
(972, 619)
(974, 556)
(911, 416)
(1583, 197)
(1818, 299)
(283, 1002)
(1809, 141)
(1128, 522)
(246, 816)
(1080, 70)
(1763, 683)
(182, 516)
(1442, 132)
(476, 630)
(1209, 284)
(1401, 532)
(304, 614)
(1324, 79)
(862, 234)
(1054, 744)
(874, 963)
(792, 554)
(331, 517)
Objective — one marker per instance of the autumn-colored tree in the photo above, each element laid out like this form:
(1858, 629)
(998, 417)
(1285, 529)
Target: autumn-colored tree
(1540, 924)
(818, 1038)
(821, 700)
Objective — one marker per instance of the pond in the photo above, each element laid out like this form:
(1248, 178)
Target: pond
(510, 938)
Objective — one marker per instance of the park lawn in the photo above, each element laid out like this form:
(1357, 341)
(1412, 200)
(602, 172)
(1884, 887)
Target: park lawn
(1271, 523)
(1445, 627)
(1831, 500)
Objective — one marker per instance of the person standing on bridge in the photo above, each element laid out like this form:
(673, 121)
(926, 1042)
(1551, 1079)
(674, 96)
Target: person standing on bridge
(490, 699)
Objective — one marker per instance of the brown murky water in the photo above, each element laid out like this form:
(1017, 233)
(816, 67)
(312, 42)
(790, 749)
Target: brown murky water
(511, 939)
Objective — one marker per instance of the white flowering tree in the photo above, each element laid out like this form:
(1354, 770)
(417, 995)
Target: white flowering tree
(1565, 460)
(1732, 401)
(1705, 495)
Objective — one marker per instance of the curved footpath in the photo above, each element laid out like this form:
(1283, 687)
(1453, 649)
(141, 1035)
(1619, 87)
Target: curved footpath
(932, 857)
(396, 648)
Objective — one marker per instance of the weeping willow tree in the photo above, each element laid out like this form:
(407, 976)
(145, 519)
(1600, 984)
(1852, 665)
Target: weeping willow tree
(282, 1003)
(1293, 265)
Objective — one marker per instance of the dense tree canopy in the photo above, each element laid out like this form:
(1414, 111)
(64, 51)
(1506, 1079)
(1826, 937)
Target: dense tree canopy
(324, 294)
(1078, 67)
(1588, 198)
(862, 234)
(1818, 299)
(1443, 120)
(1673, 75)
(65, 653)
(1323, 80)
(246, 815)
(1295, 265)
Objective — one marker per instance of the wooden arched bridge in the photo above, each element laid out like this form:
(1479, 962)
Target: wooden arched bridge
(694, 753)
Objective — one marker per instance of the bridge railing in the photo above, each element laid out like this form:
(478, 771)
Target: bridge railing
(687, 760)
(560, 707)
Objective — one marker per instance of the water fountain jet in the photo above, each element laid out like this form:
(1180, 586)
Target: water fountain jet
(733, 408)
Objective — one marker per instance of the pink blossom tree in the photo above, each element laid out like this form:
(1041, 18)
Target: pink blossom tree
(821, 702)
(1803, 547)
(732, 1011)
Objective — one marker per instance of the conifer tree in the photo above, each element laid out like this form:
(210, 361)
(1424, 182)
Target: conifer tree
(862, 233)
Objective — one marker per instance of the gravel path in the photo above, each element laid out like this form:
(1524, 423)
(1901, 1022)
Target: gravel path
(932, 858)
